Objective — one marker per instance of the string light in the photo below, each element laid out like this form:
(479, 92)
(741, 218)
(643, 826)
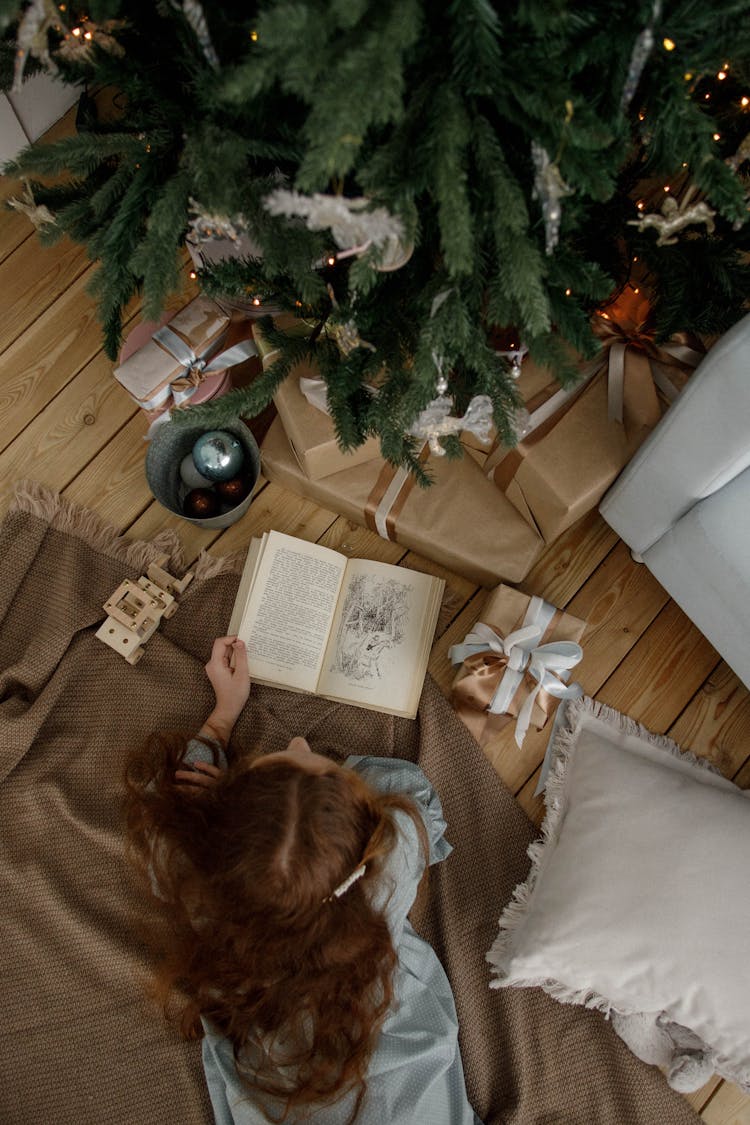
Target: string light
(721, 75)
(192, 275)
(707, 97)
(331, 261)
(568, 292)
(256, 300)
(87, 35)
(636, 290)
(745, 102)
(688, 75)
(717, 136)
(641, 116)
(640, 204)
(76, 31)
(668, 44)
(666, 187)
(635, 257)
(254, 36)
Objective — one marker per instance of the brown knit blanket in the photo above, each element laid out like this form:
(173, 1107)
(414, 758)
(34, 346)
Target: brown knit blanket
(80, 1043)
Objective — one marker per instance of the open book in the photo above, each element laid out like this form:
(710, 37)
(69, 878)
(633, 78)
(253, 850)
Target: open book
(348, 629)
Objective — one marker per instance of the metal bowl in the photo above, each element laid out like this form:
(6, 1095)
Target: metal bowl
(166, 450)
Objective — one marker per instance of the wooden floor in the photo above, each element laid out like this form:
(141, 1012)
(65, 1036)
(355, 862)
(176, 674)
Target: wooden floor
(67, 423)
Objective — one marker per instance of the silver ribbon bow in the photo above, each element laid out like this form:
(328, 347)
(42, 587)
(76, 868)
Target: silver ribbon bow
(549, 664)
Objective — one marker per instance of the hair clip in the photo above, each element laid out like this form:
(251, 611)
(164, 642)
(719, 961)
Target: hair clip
(347, 883)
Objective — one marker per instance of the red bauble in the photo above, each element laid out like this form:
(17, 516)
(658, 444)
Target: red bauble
(232, 491)
(201, 504)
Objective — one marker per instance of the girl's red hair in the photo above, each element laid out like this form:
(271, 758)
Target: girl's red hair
(300, 982)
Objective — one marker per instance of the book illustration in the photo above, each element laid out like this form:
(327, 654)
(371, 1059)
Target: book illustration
(372, 627)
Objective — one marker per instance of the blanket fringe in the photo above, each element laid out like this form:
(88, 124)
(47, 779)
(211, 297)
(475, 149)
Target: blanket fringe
(38, 500)
(512, 919)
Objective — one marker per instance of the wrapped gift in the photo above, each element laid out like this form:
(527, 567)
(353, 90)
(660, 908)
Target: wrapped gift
(577, 441)
(461, 521)
(302, 403)
(515, 664)
(172, 365)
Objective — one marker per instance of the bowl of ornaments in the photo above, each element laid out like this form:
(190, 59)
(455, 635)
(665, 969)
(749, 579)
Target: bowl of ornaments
(205, 476)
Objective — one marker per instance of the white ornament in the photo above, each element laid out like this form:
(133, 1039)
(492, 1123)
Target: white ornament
(436, 421)
(549, 189)
(354, 223)
(515, 355)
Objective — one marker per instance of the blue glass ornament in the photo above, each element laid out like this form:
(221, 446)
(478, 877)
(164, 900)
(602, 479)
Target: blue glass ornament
(218, 455)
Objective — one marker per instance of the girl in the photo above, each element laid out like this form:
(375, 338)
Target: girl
(286, 880)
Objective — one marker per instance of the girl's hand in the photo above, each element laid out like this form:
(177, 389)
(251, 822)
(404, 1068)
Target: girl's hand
(197, 776)
(228, 674)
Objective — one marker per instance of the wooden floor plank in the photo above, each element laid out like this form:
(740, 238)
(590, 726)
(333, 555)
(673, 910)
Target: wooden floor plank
(567, 563)
(31, 279)
(46, 357)
(114, 483)
(76, 426)
(728, 1106)
(716, 722)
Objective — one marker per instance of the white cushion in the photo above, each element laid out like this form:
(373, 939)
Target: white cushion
(637, 899)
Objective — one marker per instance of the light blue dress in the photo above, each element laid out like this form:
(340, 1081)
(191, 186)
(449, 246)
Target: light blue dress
(415, 1075)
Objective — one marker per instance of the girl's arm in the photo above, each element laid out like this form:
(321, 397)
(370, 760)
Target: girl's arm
(228, 673)
(205, 760)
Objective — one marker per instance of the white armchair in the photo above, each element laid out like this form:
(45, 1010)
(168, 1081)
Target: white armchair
(683, 502)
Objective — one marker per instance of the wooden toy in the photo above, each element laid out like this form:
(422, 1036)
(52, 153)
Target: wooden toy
(135, 609)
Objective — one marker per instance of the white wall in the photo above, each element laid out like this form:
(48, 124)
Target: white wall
(25, 116)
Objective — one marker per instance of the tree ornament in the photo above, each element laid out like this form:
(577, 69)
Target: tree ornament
(232, 491)
(741, 155)
(642, 48)
(78, 44)
(196, 17)
(201, 504)
(190, 476)
(344, 333)
(39, 216)
(549, 188)
(674, 217)
(40, 17)
(436, 420)
(354, 223)
(218, 455)
(208, 227)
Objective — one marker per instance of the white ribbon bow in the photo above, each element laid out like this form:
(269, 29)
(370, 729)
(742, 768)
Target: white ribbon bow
(191, 363)
(549, 664)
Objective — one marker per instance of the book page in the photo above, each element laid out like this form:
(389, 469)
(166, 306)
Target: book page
(288, 615)
(381, 637)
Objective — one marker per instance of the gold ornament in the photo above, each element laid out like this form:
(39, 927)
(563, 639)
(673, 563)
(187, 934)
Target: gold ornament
(674, 217)
(78, 44)
(344, 333)
(40, 216)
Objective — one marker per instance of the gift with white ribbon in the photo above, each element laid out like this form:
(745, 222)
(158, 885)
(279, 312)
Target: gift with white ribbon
(177, 359)
(516, 664)
(193, 368)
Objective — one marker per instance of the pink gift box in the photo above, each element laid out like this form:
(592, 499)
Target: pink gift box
(212, 386)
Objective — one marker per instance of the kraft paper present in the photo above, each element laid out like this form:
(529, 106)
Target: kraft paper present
(515, 664)
(150, 372)
(583, 438)
(309, 427)
(462, 521)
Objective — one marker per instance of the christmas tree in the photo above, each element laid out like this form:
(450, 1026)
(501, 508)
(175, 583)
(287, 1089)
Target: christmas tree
(426, 184)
